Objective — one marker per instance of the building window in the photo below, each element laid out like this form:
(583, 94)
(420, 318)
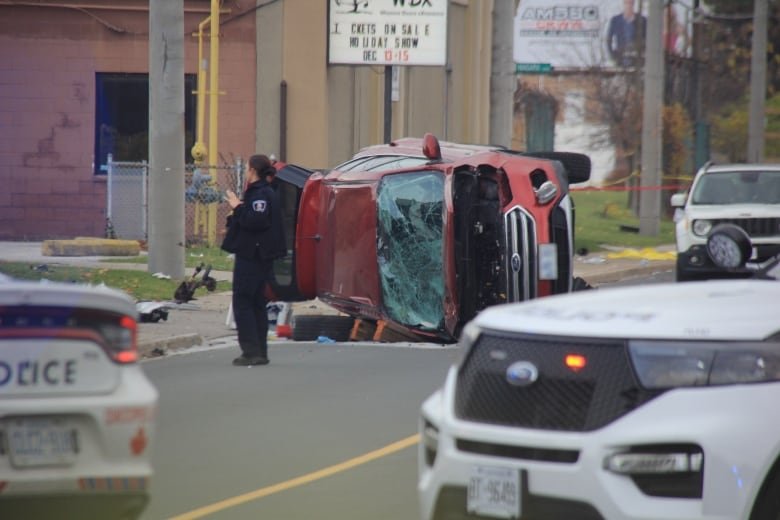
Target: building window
(122, 117)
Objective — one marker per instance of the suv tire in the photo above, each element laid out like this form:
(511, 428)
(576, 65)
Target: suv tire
(310, 327)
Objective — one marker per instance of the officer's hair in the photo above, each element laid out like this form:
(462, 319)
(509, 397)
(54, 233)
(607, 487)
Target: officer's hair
(262, 165)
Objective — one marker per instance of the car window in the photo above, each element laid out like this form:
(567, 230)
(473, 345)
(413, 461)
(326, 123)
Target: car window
(352, 164)
(377, 163)
(381, 163)
(289, 184)
(738, 187)
(395, 163)
(409, 247)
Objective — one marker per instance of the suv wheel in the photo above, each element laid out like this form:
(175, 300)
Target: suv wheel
(310, 327)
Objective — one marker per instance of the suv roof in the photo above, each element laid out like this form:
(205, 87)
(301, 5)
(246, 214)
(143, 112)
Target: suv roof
(748, 167)
(412, 147)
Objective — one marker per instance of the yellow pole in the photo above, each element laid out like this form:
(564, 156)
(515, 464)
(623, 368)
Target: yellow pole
(199, 149)
(213, 115)
(201, 98)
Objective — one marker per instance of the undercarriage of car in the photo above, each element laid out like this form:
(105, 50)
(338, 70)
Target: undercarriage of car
(479, 240)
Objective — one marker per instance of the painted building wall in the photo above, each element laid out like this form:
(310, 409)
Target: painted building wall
(333, 111)
(49, 57)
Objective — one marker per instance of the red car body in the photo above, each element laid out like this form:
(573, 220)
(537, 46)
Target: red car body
(426, 234)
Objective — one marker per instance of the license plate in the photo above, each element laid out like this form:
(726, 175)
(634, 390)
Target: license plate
(41, 442)
(494, 492)
(548, 262)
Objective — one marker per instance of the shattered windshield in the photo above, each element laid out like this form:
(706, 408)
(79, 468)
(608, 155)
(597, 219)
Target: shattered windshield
(409, 247)
(738, 187)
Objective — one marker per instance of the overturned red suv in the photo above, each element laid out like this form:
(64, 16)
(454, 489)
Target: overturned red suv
(424, 234)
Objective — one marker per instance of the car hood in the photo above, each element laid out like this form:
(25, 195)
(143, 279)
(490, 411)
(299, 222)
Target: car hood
(712, 310)
(720, 211)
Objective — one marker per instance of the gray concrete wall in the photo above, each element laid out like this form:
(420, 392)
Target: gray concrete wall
(268, 77)
(335, 110)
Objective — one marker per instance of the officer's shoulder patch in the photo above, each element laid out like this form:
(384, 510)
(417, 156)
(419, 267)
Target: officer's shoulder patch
(259, 206)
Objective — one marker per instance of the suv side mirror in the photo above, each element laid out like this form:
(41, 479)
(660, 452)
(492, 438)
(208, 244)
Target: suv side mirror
(678, 200)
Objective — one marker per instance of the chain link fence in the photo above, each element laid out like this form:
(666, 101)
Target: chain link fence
(127, 208)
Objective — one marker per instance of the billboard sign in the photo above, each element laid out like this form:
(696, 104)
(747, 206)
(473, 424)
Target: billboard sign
(582, 34)
(387, 32)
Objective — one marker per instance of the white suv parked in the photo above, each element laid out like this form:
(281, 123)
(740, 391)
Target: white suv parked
(746, 195)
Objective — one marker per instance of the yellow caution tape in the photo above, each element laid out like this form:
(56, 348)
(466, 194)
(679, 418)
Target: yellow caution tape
(646, 253)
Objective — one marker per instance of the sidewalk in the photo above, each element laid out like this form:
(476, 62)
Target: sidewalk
(203, 321)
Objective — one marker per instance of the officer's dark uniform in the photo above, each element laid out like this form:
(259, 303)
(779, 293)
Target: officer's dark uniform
(256, 236)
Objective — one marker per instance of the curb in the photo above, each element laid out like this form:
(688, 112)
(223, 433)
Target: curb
(160, 347)
(90, 247)
(652, 266)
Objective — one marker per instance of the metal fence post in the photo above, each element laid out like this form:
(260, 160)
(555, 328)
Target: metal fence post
(239, 172)
(144, 199)
(109, 231)
(110, 174)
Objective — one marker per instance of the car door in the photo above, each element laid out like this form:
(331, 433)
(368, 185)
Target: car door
(290, 182)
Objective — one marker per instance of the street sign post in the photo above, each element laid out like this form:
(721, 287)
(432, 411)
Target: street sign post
(533, 68)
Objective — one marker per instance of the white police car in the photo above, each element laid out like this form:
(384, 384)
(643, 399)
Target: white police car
(76, 410)
(652, 402)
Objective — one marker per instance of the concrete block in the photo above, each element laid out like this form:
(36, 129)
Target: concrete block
(85, 246)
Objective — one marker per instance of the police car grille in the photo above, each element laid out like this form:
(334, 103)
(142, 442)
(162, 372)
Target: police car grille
(561, 398)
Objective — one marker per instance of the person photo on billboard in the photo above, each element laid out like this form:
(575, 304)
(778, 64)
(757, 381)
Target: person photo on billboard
(675, 35)
(626, 36)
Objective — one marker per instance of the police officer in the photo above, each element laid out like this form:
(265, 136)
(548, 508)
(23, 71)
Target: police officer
(256, 236)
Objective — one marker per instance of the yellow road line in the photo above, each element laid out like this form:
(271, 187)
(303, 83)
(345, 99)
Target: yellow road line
(299, 481)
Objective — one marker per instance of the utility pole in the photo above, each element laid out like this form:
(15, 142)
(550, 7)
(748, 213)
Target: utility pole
(757, 118)
(502, 76)
(166, 137)
(388, 106)
(652, 124)
(699, 58)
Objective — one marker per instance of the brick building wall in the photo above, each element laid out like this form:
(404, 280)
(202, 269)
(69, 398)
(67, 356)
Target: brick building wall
(49, 57)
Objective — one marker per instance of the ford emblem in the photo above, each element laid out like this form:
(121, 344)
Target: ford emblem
(516, 263)
(522, 373)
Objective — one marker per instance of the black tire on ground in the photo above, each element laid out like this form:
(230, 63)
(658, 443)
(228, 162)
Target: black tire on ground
(310, 327)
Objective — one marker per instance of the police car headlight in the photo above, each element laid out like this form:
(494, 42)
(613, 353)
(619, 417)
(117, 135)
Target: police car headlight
(661, 365)
(468, 336)
(701, 227)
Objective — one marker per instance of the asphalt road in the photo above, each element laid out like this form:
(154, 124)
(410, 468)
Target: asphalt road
(224, 432)
(284, 441)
